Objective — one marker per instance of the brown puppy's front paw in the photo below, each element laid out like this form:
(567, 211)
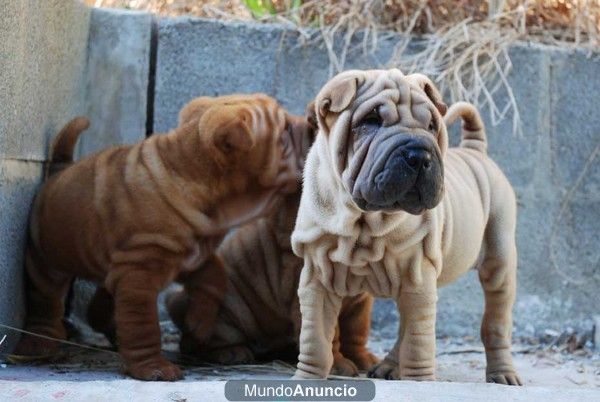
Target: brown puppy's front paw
(31, 348)
(506, 378)
(159, 369)
(344, 367)
(238, 354)
(385, 369)
(364, 361)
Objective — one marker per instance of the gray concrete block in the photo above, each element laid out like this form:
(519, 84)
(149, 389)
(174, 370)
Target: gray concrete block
(204, 57)
(117, 76)
(18, 183)
(201, 57)
(43, 44)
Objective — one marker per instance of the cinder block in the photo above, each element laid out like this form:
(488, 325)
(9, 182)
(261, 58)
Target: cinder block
(201, 57)
(117, 77)
(19, 181)
(43, 46)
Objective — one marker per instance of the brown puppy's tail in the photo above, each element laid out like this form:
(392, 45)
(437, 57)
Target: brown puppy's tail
(61, 151)
(473, 130)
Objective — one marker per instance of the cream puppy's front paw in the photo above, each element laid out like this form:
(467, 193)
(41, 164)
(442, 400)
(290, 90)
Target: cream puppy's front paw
(305, 375)
(386, 369)
(506, 378)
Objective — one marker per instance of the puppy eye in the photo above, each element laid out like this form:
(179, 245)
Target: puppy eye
(432, 127)
(372, 118)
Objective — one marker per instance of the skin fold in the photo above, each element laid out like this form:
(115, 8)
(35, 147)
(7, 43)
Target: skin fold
(134, 218)
(387, 208)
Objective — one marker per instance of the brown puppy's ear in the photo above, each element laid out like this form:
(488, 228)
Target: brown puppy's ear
(336, 95)
(228, 127)
(194, 109)
(311, 116)
(430, 90)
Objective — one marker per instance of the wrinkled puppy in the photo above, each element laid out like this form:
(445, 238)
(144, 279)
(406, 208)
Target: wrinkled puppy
(134, 218)
(255, 304)
(387, 208)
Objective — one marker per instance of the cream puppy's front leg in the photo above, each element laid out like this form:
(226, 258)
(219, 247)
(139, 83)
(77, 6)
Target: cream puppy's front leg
(413, 354)
(320, 309)
(417, 305)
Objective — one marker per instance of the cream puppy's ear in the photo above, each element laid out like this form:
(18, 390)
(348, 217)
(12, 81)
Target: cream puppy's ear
(335, 96)
(430, 90)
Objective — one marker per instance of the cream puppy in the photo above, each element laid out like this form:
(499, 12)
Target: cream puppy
(387, 208)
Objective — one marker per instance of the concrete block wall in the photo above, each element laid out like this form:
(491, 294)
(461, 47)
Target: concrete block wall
(132, 72)
(60, 59)
(43, 53)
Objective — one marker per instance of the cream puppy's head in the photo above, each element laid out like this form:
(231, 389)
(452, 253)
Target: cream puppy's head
(386, 138)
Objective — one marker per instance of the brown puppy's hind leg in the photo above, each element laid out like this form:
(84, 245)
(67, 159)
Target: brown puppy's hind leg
(206, 288)
(46, 290)
(498, 277)
(136, 316)
(354, 325)
(101, 314)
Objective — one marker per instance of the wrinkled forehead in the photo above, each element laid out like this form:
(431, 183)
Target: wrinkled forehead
(394, 95)
(255, 103)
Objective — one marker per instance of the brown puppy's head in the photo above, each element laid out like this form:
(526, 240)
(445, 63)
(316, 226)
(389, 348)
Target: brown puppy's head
(253, 124)
(386, 138)
(257, 146)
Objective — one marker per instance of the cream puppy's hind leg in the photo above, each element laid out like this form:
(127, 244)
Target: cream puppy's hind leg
(320, 309)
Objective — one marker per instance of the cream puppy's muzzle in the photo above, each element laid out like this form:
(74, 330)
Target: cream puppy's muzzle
(388, 139)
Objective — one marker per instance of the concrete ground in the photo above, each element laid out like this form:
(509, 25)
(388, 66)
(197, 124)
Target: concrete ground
(548, 373)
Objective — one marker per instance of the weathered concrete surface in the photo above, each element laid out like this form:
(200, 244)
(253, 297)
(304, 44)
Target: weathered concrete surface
(126, 389)
(117, 76)
(43, 46)
(462, 365)
(18, 182)
(43, 49)
(60, 59)
(558, 259)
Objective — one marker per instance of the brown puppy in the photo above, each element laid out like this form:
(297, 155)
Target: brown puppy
(259, 316)
(134, 218)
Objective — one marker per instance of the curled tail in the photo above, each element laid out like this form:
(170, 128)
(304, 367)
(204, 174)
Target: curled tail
(61, 150)
(473, 130)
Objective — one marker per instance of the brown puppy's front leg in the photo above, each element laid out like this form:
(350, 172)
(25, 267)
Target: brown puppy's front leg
(341, 365)
(417, 304)
(138, 331)
(319, 309)
(354, 324)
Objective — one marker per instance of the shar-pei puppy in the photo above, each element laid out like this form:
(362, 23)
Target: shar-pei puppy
(387, 208)
(134, 218)
(244, 305)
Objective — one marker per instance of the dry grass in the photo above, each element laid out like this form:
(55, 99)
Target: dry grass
(464, 42)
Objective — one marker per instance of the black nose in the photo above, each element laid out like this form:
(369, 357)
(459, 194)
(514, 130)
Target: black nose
(417, 158)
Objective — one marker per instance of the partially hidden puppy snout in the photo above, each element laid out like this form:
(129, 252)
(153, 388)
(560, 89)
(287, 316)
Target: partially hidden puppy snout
(417, 157)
